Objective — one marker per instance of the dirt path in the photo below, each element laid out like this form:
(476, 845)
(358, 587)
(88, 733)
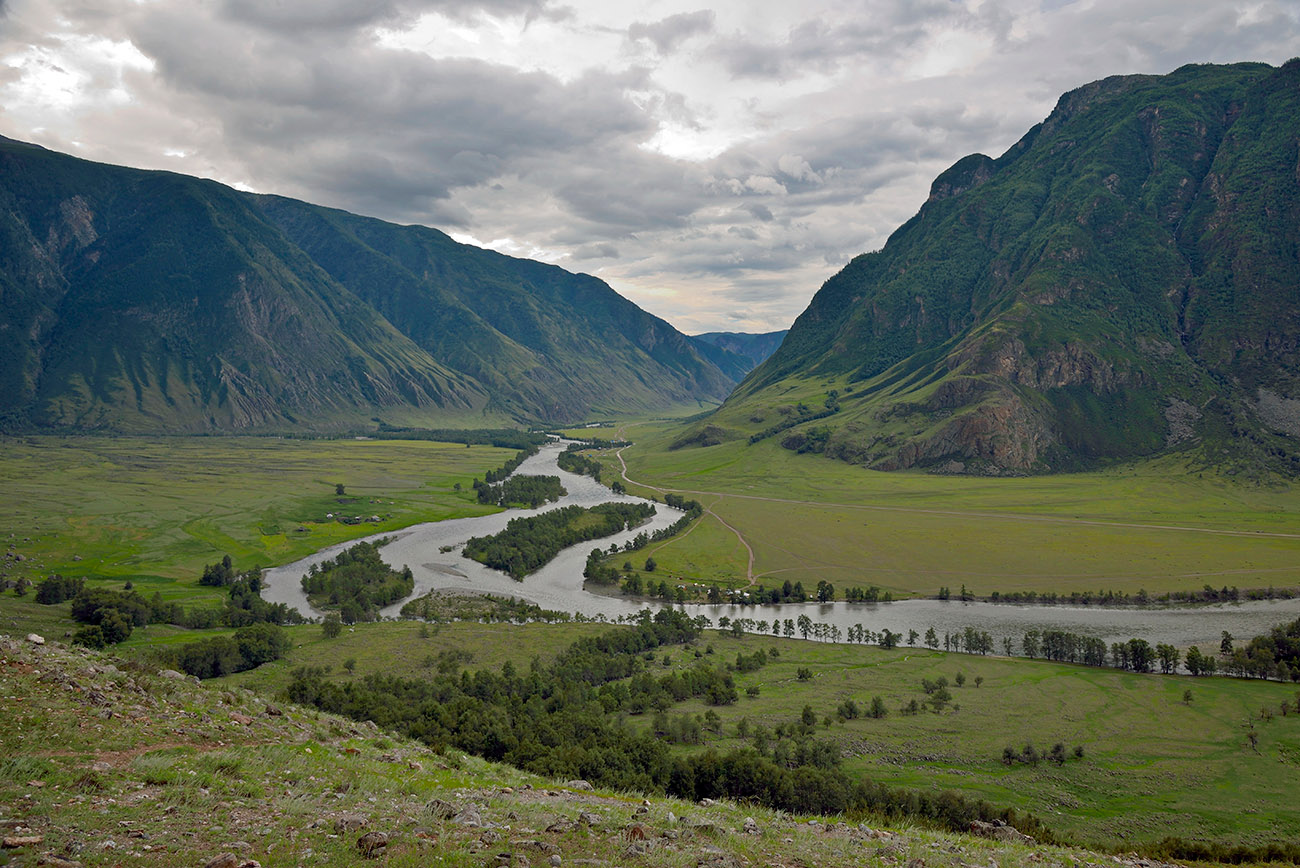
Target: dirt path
(749, 551)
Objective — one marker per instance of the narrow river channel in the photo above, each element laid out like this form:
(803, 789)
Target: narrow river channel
(558, 586)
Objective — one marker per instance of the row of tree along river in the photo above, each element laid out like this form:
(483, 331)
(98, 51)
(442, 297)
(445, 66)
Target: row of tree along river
(433, 554)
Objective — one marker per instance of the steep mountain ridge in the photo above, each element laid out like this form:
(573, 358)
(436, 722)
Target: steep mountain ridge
(1123, 280)
(738, 353)
(150, 301)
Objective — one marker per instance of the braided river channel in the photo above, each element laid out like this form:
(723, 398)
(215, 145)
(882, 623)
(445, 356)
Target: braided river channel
(559, 586)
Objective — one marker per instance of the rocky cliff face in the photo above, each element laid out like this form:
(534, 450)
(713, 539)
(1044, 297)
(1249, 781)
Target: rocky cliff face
(1124, 280)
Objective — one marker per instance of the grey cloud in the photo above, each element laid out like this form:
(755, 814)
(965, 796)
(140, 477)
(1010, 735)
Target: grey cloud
(823, 46)
(387, 132)
(670, 32)
(295, 16)
(604, 250)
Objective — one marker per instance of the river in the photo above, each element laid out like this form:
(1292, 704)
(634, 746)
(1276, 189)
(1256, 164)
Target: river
(558, 585)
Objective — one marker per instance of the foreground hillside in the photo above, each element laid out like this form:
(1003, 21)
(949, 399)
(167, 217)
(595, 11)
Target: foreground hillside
(149, 301)
(1121, 282)
(106, 764)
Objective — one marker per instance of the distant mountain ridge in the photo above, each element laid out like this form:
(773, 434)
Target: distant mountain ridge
(738, 353)
(1123, 281)
(150, 301)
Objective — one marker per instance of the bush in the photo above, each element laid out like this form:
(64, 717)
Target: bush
(58, 589)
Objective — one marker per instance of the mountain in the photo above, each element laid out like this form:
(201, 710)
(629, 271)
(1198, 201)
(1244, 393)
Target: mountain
(738, 353)
(1123, 281)
(150, 301)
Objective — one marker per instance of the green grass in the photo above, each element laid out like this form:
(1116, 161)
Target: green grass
(808, 518)
(177, 774)
(1153, 766)
(412, 650)
(155, 510)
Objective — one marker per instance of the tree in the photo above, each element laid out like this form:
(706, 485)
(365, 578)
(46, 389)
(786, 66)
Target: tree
(1169, 657)
(650, 565)
(878, 709)
(339, 489)
(1187, 697)
(805, 625)
(960, 679)
(1225, 645)
(979, 679)
(332, 626)
(350, 665)
(931, 638)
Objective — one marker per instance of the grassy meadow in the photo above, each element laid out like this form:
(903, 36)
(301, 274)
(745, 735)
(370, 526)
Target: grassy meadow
(1160, 525)
(1153, 764)
(155, 510)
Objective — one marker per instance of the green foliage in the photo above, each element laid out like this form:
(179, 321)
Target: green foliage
(562, 720)
(248, 648)
(332, 625)
(1121, 281)
(357, 582)
(220, 574)
(363, 319)
(528, 543)
(572, 460)
(57, 588)
(527, 491)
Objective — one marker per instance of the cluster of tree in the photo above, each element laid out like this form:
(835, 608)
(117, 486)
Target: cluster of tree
(501, 438)
(752, 662)
(970, 640)
(111, 615)
(357, 583)
(849, 709)
(870, 594)
(57, 588)
(635, 586)
(799, 415)
(795, 593)
(572, 460)
(530, 542)
(219, 575)
(1276, 654)
(1214, 851)
(485, 608)
(1032, 756)
(510, 466)
(557, 721)
(693, 509)
(1208, 594)
(249, 647)
(600, 443)
(529, 491)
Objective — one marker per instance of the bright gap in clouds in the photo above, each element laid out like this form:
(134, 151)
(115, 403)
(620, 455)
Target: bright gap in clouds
(537, 45)
(72, 73)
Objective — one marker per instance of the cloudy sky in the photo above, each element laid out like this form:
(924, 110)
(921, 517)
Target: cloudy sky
(714, 160)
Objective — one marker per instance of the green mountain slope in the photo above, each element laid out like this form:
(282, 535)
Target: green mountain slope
(1124, 280)
(149, 301)
(738, 353)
